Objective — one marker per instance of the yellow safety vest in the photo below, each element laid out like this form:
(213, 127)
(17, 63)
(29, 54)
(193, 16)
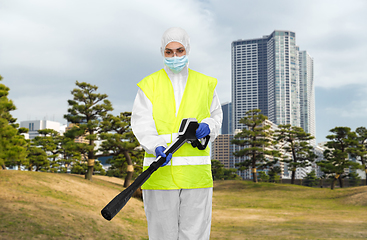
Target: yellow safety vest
(189, 167)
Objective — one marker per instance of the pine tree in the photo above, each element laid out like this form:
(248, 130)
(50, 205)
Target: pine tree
(50, 142)
(217, 170)
(274, 174)
(12, 143)
(120, 142)
(86, 111)
(255, 140)
(340, 145)
(296, 142)
(361, 150)
(37, 159)
(69, 152)
(263, 176)
(221, 173)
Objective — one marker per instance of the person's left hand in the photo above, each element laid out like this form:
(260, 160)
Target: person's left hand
(202, 131)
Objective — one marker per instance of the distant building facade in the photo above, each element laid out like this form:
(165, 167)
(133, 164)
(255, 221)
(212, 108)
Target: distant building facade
(222, 150)
(307, 94)
(35, 125)
(80, 139)
(227, 118)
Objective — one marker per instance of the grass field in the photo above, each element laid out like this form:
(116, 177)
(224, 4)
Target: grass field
(61, 206)
(244, 210)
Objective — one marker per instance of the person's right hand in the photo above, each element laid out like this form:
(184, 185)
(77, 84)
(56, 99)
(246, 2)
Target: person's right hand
(202, 131)
(159, 151)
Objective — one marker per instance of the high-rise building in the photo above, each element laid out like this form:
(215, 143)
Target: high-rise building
(266, 74)
(307, 94)
(270, 74)
(227, 118)
(250, 86)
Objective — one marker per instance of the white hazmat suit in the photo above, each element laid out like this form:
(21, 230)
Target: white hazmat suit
(182, 213)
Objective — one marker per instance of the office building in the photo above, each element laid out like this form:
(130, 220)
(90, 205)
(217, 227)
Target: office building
(35, 125)
(222, 150)
(271, 74)
(307, 94)
(250, 86)
(227, 118)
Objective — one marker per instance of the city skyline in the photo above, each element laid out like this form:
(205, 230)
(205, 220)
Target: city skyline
(47, 47)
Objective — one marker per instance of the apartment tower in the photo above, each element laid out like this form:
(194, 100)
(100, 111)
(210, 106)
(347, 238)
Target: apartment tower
(307, 94)
(271, 74)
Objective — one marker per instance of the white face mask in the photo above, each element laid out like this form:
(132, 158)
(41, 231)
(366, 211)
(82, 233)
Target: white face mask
(176, 64)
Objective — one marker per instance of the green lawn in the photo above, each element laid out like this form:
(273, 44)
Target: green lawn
(61, 206)
(245, 210)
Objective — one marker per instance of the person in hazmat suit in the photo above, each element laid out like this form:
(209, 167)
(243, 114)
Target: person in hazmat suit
(178, 196)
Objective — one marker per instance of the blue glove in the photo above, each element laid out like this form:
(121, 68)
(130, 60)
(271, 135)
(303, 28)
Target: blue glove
(202, 131)
(159, 151)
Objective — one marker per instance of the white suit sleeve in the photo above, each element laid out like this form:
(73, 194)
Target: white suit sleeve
(216, 117)
(143, 125)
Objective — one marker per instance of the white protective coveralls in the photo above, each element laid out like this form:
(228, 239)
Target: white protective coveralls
(182, 213)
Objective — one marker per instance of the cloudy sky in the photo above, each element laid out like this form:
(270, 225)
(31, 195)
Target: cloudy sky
(47, 45)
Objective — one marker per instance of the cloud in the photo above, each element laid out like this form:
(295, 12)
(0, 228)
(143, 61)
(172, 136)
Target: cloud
(48, 45)
(333, 32)
(343, 106)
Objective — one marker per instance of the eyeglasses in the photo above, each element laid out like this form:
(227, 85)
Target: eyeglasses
(179, 52)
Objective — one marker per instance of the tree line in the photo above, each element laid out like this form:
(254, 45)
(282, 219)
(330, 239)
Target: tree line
(91, 120)
(263, 148)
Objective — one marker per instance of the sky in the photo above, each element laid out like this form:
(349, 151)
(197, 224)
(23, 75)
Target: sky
(48, 45)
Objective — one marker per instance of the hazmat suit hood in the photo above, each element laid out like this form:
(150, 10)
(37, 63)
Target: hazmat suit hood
(176, 34)
(178, 80)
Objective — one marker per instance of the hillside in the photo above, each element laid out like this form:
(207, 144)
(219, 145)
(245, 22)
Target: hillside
(62, 206)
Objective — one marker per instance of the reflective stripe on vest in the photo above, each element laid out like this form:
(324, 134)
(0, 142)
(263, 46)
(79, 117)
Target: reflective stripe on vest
(190, 167)
(180, 161)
